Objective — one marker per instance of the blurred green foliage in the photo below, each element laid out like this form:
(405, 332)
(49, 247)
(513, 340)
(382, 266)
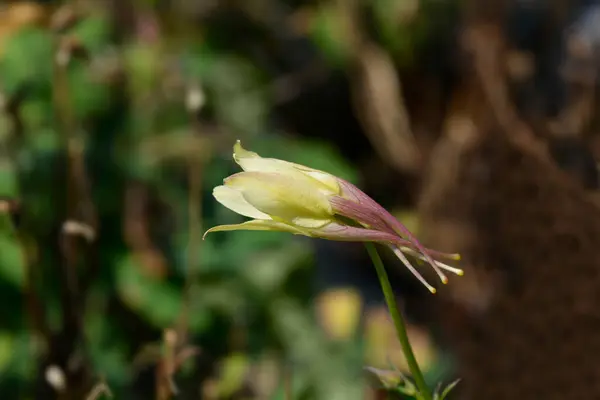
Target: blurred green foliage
(130, 103)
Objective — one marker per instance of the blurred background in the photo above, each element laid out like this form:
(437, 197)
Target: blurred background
(475, 123)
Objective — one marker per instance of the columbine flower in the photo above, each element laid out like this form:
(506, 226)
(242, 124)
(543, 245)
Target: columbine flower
(287, 197)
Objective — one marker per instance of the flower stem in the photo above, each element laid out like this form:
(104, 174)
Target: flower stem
(398, 322)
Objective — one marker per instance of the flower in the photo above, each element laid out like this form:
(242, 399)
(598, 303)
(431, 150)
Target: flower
(287, 197)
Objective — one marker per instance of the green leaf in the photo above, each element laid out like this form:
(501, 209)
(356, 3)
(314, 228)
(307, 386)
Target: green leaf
(12, 261)
(93, 32)
(27, 59)
(389, 379)
(37, 114)
(6, 350)
(244, 244)
(448, 389)
(87, 96)
(20, 360)
(8, 179)
(199, 62)
(234, 369)
(394, 23)
(328, 35)
(240, 99)
(143, 64)
(269, 270)
(157, 301)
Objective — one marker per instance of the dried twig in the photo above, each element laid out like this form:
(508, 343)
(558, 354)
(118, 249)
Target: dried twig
(80, 217)
(173, 355)
(101, 389)
(377, 95)
(176, 350)
(485, 43)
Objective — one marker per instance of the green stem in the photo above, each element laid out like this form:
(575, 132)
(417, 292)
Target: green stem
(398, 322)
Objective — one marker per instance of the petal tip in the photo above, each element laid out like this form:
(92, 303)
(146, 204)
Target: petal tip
(216, 189)
(237, 150)
(239, 153)
(206, 233)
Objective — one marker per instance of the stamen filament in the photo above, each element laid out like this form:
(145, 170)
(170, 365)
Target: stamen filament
(439, 272)
(412, 269)
(441, 265)
(448, 268)
(431, 262)
(408, 246)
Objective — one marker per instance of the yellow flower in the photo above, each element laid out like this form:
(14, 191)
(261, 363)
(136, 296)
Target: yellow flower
(283, 196)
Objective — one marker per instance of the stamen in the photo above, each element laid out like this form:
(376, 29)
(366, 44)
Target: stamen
(440, 264)
(450, 256)
(412, 269)
(434, 264)
(435, 267)
(448, 268)
(440, 273)
(407, 245)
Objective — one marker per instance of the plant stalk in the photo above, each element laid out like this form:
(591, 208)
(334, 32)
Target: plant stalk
(399, 324)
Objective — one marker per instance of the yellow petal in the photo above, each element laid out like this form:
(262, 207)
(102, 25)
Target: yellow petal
(326, 179)
(257, 225)
(240, 153)
(310, 223)
(287, 196)
(234, 200)
(251, 161)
